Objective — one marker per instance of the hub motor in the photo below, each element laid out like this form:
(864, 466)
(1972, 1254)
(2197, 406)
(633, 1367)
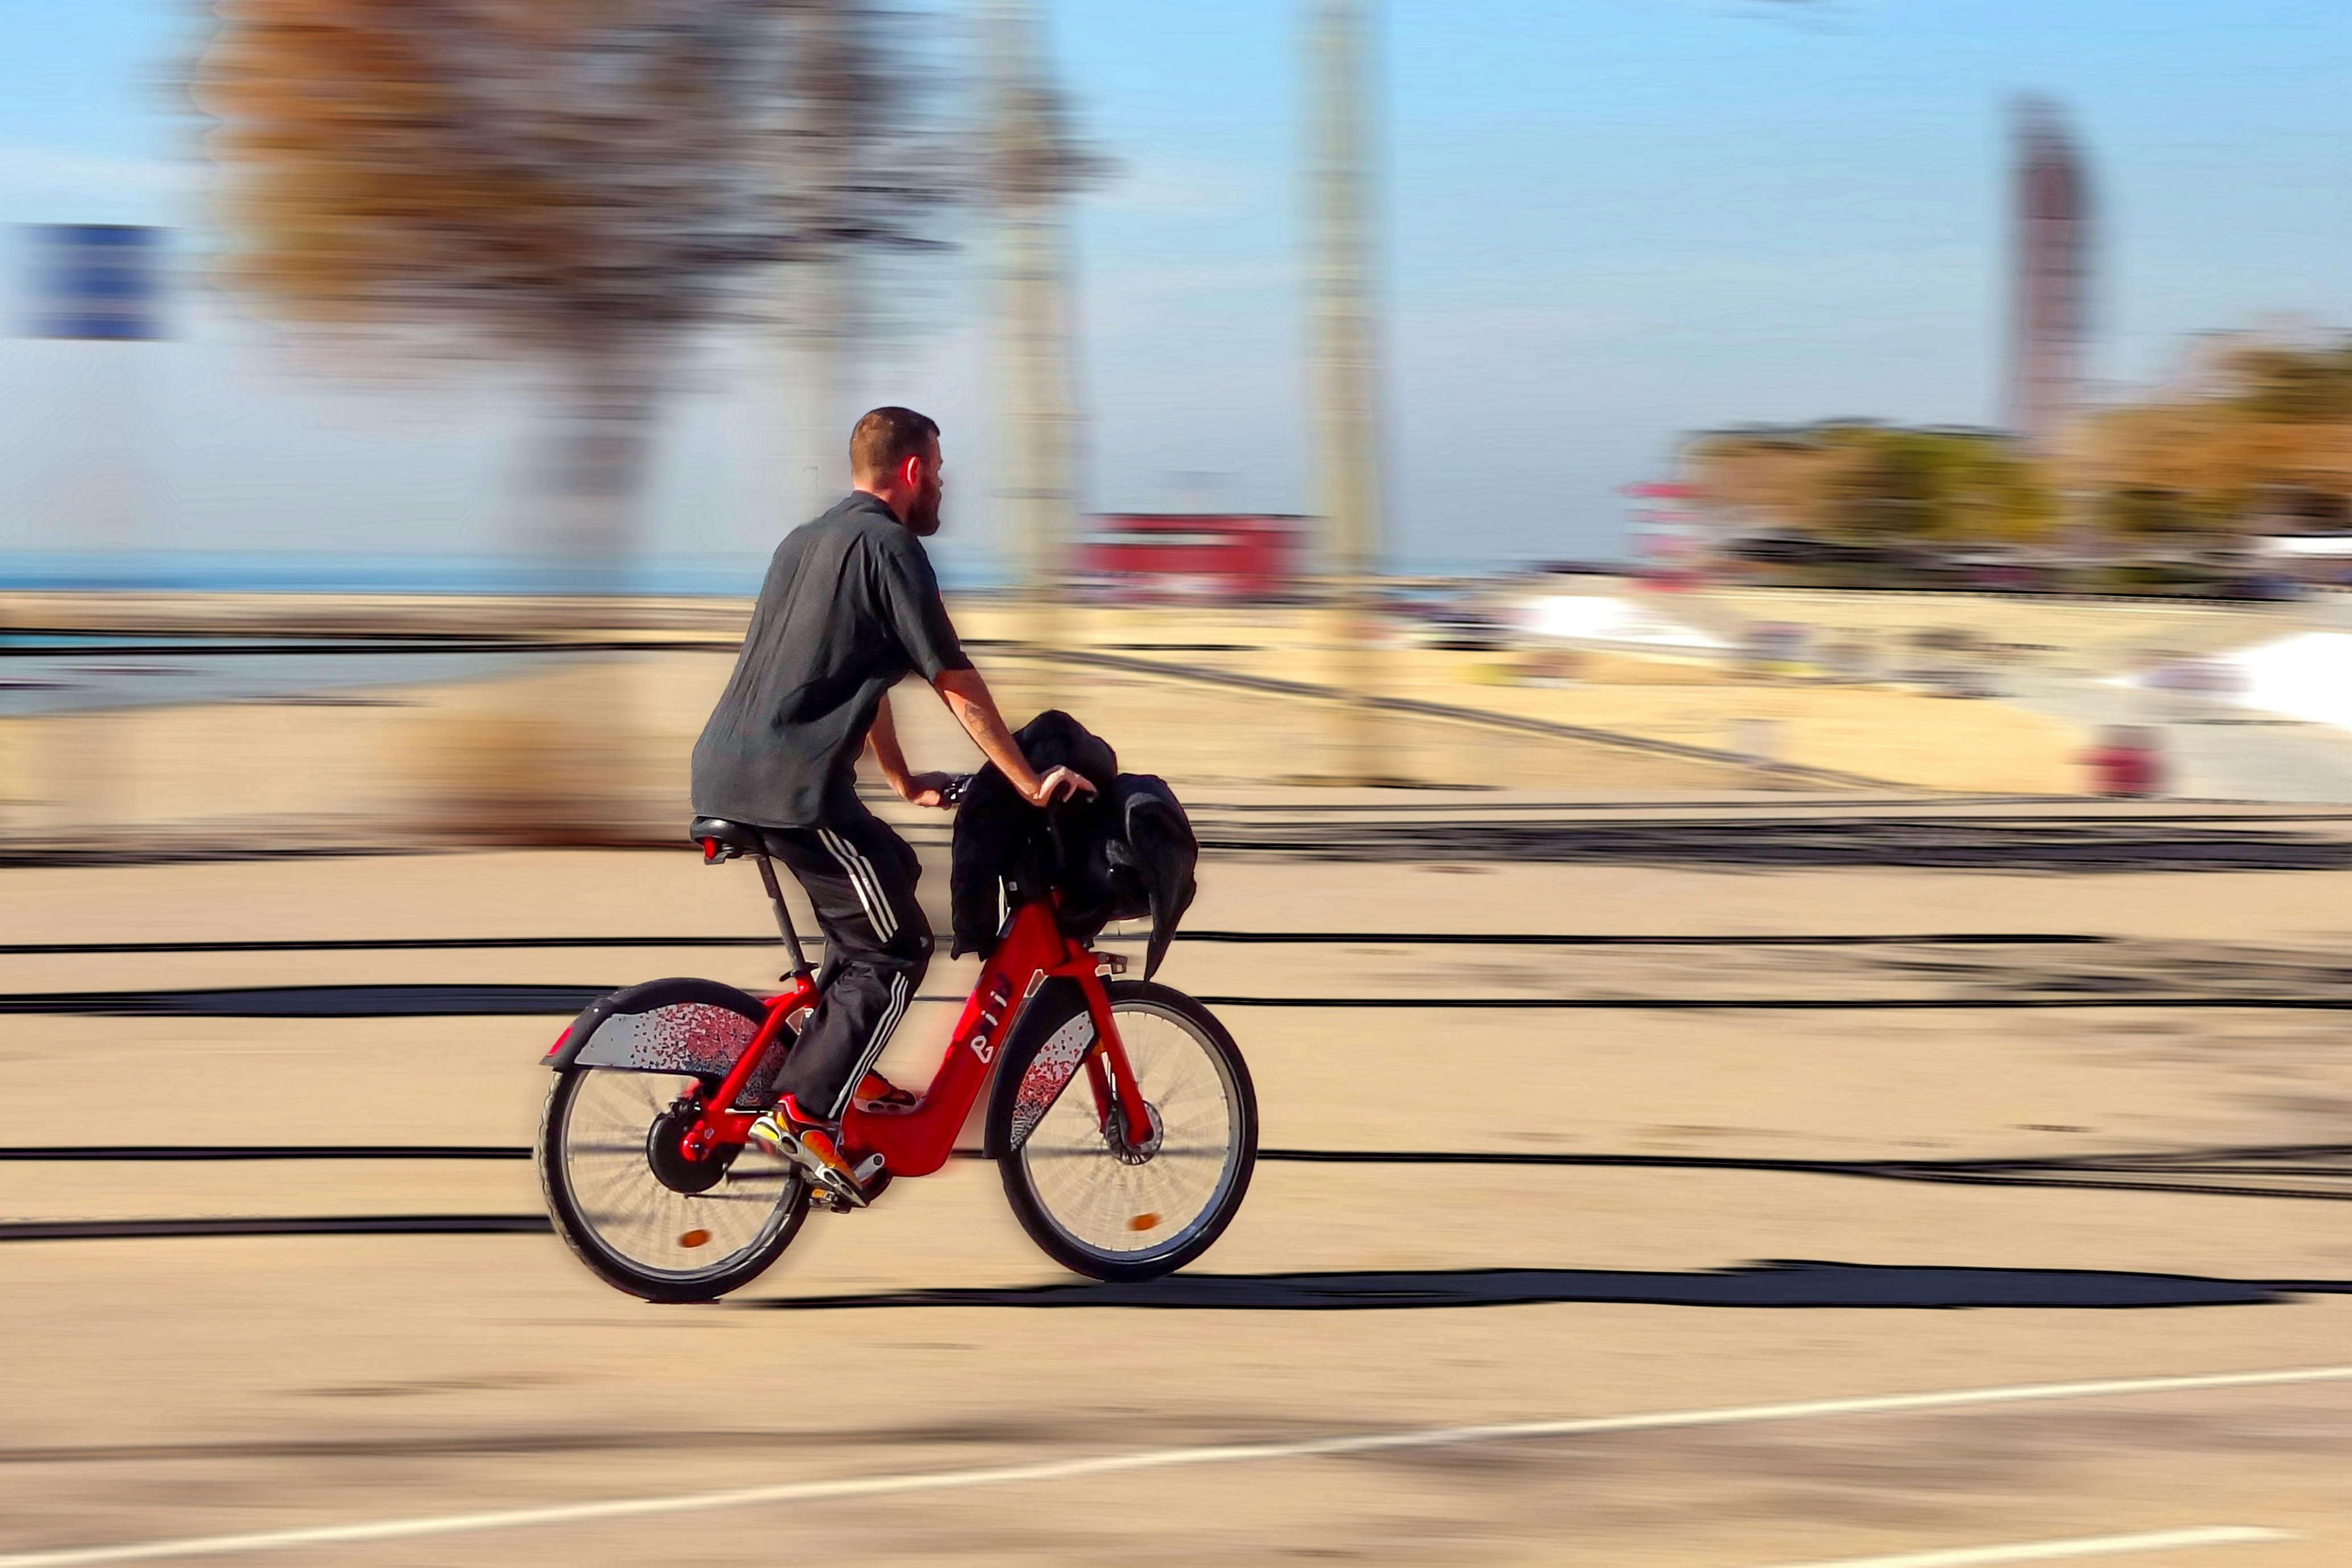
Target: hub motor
(666, 1152)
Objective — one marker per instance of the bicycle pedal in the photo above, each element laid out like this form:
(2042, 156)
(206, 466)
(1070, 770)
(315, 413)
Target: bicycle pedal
(838, 1194)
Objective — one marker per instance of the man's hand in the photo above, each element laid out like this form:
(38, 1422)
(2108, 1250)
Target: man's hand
(1059, 784)
(924, 789)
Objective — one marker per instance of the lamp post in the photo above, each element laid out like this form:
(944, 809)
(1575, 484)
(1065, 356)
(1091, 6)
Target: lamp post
(1033, 166)
(1343, 368)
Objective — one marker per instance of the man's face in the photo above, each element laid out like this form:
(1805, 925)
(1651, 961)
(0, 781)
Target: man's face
(923, 511)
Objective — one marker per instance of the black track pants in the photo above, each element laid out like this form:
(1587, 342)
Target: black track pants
(861, 877)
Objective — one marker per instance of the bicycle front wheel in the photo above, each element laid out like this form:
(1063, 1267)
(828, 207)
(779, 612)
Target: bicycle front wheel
(1102, 1208)
(636, 1211)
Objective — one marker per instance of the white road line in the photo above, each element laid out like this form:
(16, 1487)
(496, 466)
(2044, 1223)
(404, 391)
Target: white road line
(1147, 1459)
(2051, 1550)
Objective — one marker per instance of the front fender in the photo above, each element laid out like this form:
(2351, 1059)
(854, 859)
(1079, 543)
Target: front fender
(681, 1026)
(1024, 1068)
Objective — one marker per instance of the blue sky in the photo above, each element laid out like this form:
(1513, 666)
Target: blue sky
(1606, 222)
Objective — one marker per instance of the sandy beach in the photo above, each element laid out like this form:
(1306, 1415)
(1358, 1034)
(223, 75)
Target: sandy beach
(581, 732)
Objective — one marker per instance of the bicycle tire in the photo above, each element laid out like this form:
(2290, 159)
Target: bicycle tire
(1086, 1173)
(574, 1221)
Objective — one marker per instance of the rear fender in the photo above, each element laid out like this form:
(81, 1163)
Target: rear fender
(692, 1027)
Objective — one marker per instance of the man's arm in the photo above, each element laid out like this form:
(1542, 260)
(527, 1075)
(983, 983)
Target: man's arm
(969, 699)
(915, 789)
(920, 622)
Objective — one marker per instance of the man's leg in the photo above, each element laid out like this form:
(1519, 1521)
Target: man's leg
(861, 877)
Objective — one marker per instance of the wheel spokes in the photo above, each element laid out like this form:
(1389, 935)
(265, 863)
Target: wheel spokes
(1119, 1210)
(630, 1213)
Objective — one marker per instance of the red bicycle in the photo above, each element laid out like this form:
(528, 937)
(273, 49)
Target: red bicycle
(644, 1158)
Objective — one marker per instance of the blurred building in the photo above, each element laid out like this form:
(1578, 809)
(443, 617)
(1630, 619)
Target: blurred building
(88, 489)
(2050, 288)
(96, 281)
(1192, 557)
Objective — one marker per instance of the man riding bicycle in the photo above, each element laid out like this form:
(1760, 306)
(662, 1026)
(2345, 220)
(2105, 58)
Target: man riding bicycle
(849, 608)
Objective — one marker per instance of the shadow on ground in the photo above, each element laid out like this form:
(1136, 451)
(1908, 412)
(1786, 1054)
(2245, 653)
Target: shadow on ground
(1772, 1284)
(1989, 844)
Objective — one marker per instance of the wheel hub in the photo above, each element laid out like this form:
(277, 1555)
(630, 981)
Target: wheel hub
(666, 1152)
(1135, 1153)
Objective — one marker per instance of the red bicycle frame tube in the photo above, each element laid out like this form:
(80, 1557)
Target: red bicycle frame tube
(719, 1126)
(918, 1141)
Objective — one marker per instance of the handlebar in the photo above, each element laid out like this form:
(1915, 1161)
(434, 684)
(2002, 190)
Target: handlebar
(960, 786)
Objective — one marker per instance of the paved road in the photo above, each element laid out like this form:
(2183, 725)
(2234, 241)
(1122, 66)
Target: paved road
(2215, 751)
(170, 1390)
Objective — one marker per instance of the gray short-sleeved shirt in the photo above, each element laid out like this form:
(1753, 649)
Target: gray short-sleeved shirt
(848, 608)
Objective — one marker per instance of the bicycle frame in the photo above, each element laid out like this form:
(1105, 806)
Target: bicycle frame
(918, 1141)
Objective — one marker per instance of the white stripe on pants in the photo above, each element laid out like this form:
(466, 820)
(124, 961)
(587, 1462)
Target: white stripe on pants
(862, 878)
(883, 1027)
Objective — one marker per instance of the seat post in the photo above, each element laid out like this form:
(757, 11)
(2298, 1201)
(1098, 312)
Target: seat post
(783, 916)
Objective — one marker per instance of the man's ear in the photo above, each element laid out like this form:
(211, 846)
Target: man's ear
(910, 473)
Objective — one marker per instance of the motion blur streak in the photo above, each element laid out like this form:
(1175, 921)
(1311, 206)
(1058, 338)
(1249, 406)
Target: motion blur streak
(1751, 484)
(2052, 1550)
(1168, 1459)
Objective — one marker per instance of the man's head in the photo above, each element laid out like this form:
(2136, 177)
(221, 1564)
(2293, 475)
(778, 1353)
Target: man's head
(893, 455)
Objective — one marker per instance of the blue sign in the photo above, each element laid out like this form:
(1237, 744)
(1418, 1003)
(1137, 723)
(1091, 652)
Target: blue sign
(96, 281)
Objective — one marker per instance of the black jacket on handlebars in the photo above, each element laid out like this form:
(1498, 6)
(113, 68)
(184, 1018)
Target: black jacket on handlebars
(1123, 853)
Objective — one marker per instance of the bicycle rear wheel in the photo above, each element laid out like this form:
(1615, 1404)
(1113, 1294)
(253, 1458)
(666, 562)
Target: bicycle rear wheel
(1112, 1212)
(636, 1211)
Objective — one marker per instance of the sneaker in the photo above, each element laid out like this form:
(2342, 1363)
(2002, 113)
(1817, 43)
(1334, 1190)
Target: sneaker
(810, 1145)
(877, 1093)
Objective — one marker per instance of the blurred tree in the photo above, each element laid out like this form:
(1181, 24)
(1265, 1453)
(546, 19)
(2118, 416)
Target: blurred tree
(2296, 386)
(2149, 513)
(1758, 479)
(570, 181)
(2257, 435)
(1947, 487)
(1858, 483)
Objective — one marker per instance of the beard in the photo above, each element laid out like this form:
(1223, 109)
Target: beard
(923, 518)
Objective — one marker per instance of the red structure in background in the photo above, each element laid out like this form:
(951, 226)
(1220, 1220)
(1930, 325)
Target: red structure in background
(1164, 557)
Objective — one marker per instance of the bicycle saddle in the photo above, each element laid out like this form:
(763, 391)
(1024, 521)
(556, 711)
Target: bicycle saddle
(720, 838)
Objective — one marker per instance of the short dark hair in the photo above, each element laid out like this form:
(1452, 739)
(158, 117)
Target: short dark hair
(887, 437)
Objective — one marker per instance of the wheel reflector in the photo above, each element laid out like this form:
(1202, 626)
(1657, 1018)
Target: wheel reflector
(1143, 1222)
(694, 1238)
